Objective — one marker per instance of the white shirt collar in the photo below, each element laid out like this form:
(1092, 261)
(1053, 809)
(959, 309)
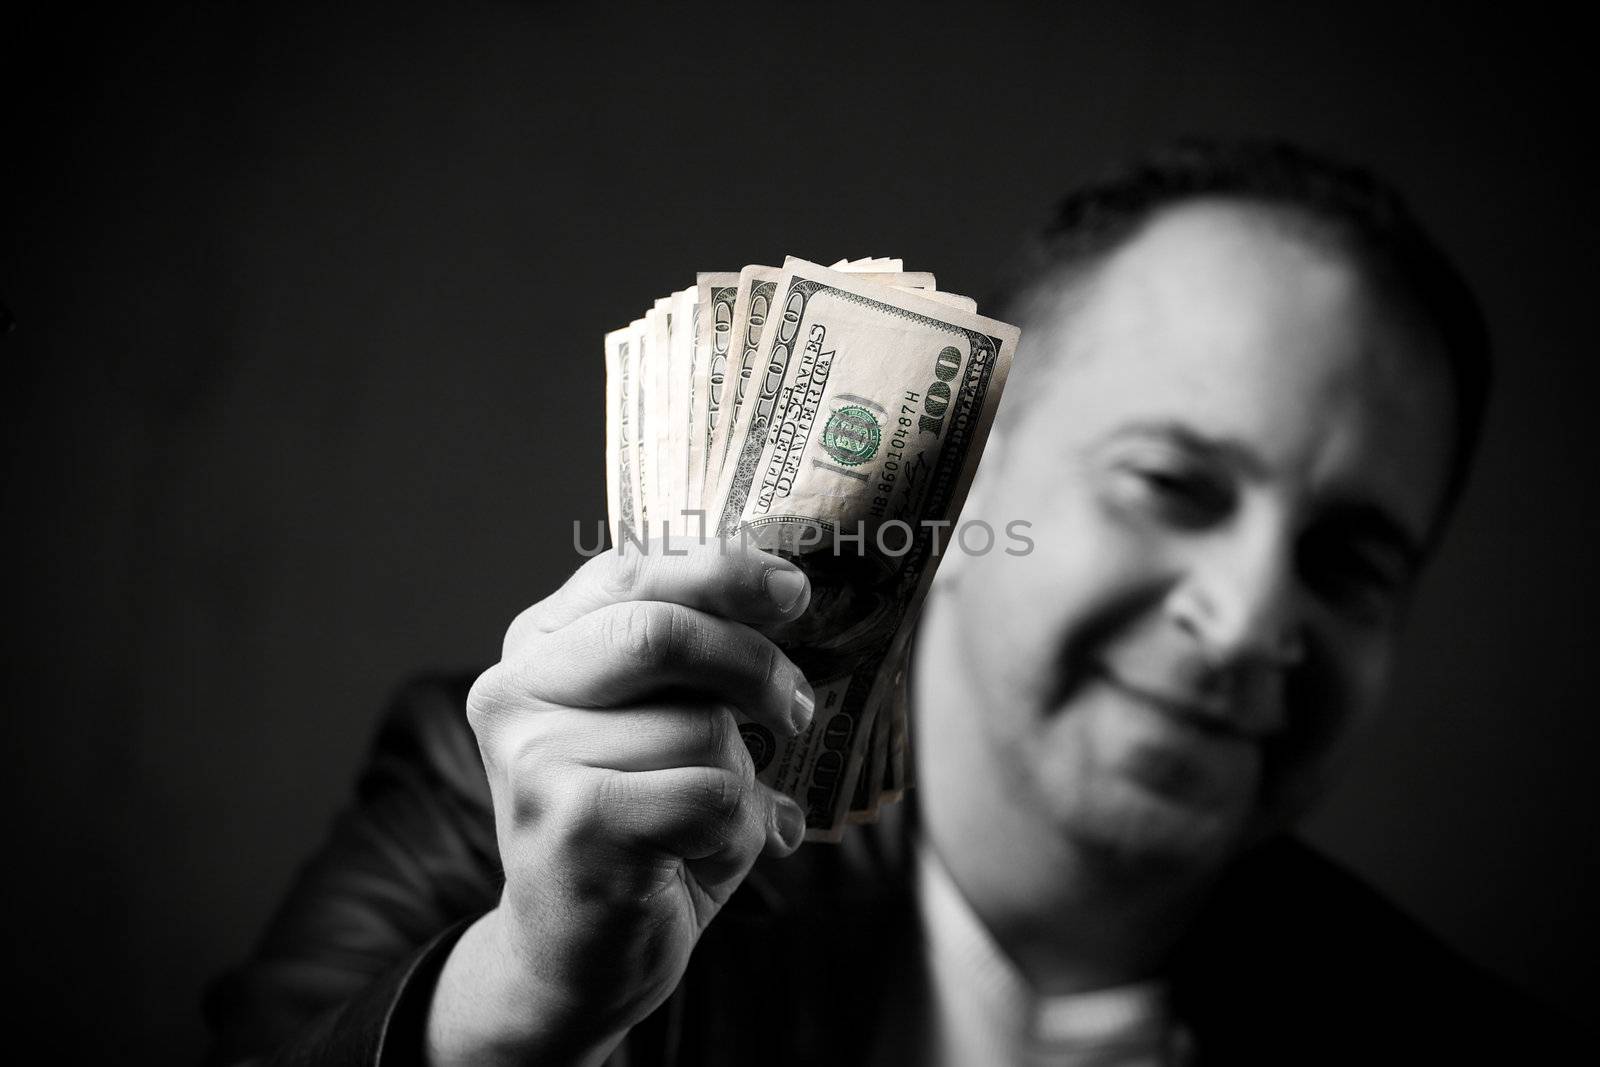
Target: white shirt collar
(983, 1011)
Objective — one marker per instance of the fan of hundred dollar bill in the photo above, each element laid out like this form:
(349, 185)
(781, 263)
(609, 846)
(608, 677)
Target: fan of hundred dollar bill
(834, 415)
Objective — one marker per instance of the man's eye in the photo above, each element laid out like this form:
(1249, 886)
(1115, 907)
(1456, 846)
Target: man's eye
(1365, 582)
(1182, 495)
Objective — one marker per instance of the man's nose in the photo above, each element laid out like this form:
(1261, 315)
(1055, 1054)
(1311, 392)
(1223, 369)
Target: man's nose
(1239, 599)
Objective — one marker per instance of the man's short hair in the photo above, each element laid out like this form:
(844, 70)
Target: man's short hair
(1364, 216)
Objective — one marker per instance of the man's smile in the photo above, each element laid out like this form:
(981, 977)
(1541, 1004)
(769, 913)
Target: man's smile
(1181, 747)
(1248, 705)
(1209, 715)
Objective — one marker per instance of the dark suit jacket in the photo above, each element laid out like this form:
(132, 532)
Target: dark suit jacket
(1295, 961)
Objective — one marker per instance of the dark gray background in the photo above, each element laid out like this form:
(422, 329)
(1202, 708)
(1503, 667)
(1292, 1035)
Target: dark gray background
(305, 389)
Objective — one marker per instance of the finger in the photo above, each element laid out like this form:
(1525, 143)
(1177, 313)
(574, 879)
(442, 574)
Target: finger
(644, 738)
(718, 821)
(624, 653)
(783, 828)
(786, 824)
(722, 577)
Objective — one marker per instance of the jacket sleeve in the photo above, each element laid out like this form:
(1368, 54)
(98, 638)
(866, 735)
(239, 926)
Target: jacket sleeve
(346, 968)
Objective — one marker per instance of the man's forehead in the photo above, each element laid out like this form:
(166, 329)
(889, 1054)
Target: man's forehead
(1250, 327)
(1224, 263)
(1197, 288)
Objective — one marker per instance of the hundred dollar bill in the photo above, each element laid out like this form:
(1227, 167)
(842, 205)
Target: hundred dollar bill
(898, 773)
(867, 794)
(636, 362)
(863, 423)
(751, 307)
(681, 404)
(645, 357)
(896, 770)
(649, 412)
(620, 419)
(658, 398)
(715, 294)
(752, 302)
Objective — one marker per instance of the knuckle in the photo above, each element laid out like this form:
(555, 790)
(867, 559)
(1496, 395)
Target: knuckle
(528, 806)
(582, 806)
(716, 727)
(531, 780)
(527, 760)
(521, 628)
(484, 699)
(722, 795)
(501, 695)
(621, 573)
(632, 633)
(645, 634)
(742, 763)
(777, 676)
(727, 747)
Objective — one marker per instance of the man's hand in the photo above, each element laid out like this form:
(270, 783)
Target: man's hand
(626, 805)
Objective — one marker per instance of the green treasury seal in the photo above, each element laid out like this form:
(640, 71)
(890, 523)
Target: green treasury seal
(852, 435)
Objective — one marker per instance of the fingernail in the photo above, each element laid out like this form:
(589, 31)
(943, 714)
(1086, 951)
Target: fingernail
(785, 586)
(805, 702)
(791, 823)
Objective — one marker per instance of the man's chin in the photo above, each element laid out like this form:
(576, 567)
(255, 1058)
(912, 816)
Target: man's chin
(1137, 827)
(1146, 827)
(1142, 785)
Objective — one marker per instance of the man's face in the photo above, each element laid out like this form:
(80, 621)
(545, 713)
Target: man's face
(1229, 468)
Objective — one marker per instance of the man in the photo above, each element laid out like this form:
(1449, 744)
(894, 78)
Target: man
(1247, 395)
